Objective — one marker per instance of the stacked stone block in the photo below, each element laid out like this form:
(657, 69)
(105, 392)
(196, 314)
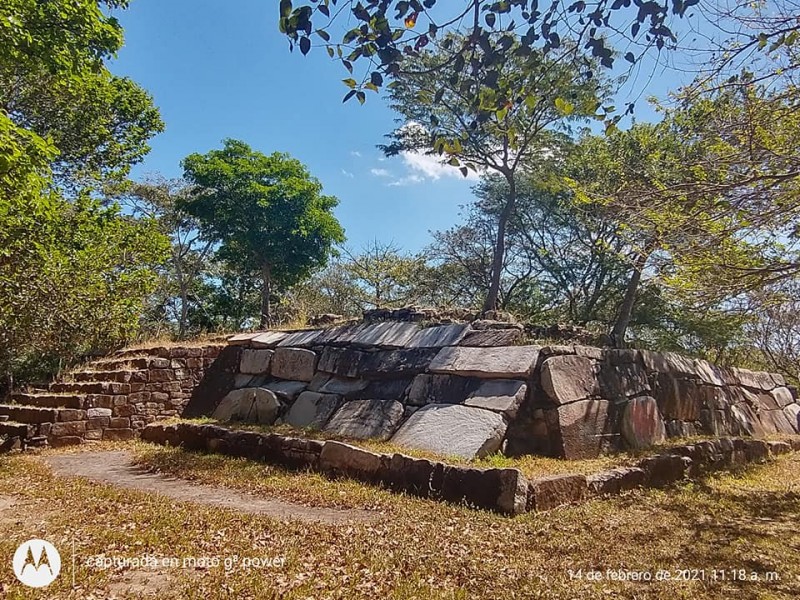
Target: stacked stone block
(447, 390)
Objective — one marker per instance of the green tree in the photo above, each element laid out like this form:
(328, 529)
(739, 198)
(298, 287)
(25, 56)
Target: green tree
(383, 275)
(159, 199)
(54, 82)
(267, 213)
(541, 98)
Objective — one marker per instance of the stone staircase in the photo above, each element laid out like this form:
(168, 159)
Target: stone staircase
(111, 398)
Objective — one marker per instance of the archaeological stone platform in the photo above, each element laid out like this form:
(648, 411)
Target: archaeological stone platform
(470, 391)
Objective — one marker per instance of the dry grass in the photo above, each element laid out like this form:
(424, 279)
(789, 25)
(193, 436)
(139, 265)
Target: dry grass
(418, 549)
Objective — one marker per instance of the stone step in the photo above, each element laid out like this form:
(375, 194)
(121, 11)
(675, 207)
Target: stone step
(95, 387)
(32, 415)
(45, 399)
(119, 375)
(14, 429)
(136, 362)
(25, 413)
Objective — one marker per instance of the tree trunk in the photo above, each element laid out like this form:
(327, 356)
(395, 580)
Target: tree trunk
(266, 292)
(628, 302)
(499, 256)
(184, 293)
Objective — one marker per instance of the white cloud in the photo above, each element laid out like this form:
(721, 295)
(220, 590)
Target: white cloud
(407, 180)
(380, 172)
(355, 153)
(432, 167)
(347, 174)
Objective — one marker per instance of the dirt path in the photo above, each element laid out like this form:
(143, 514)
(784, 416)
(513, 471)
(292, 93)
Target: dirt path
(117, 468)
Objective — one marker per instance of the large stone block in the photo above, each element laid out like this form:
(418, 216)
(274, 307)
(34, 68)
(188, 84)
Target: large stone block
(569, 378)
(746, 421)
(439, 336)
(756, 380)
(453, 430)
(670, 363)
(642, 425)
(348, 362)
(252, 405)
(255, 362)
(343, 386)
(287, 391)
(623, 380)
(489, 338)
(499, 395)
(296, 364)
(509, 362)
(313, 410)
(363, 419)
(615, 481)
(340, 459)
(679, 399)
(441, 389)
(782, 396)
(664, 469)
(578, 429)
(792, 412)
(502, 490)
(268, 339)
(546, 493)
(301, 339)
(382, 335)
(383, 389)
(776, 422)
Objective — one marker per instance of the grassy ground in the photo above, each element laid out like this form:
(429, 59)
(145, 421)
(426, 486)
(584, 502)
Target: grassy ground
(417, 548)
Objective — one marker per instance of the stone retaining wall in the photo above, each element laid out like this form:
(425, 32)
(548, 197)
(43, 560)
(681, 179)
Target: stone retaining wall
(502, 490)
(468, 390)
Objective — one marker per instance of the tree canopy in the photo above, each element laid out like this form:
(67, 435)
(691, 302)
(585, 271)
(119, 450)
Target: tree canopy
(266, 212)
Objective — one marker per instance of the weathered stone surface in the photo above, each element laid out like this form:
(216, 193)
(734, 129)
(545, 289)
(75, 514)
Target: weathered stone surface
(775, 421)
(669, 362)
(502, 490)
(69, 428)
(509, 362)
(252, 405)
(255, 362)
(229, 407)
(489, 338)
(439, 336)
(345, 460)
(412, 475)
(681, 429)
(665, 469)
(615, 481)
(313, 410)
(268, 339)
(757, 380)
(777, 448)
(709, 373)
(577, 429)
(287, 391)
(642, 425)
(343, 386)
(453, 430)
(264, 408)
(546, 493)
(441, 389)
(362, 419)
(218, 381)
(98, 412)
(745, 421)
(499, 395)
(241, 339)
(569, 378)
(679, 399)
(782, 396)
(119, 435)
(623, 380)
(385, 389)
(296, 364)
(383, 335)
(301, 339)
(347, 362)
(792, 412)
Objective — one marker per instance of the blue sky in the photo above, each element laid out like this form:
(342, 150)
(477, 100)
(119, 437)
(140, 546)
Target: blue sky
(220, 68)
